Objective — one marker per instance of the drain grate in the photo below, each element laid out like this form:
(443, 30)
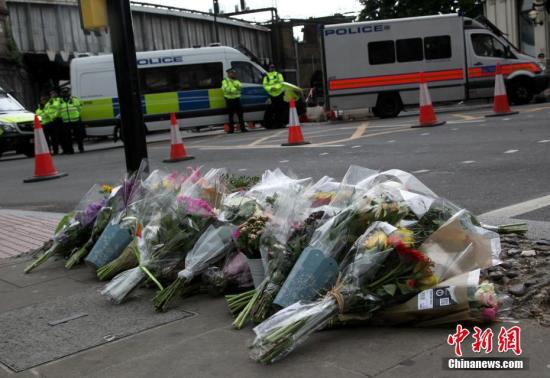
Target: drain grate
(47, 331)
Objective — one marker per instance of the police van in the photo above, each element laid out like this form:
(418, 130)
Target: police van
(377, 64)
(16, 126)
(182, 81)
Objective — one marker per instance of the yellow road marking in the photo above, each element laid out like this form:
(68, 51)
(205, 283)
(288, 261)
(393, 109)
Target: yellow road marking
(537, 109)
(359, 131)
(261, 140)
(467, 117)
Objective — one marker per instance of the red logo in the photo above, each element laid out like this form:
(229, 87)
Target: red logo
(508, 340)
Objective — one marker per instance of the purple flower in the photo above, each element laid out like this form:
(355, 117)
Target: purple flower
(90, 213)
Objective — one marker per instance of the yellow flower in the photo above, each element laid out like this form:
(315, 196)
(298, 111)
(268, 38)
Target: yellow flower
(106, 188)
(427, 282)
(378, 240)
(406, 236)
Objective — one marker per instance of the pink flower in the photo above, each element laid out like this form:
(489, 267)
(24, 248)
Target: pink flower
(490, 314)
(235, 235)
(196, 206)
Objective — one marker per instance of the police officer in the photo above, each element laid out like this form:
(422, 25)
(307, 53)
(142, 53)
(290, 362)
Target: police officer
(273, 85)
(69, 111)
(52, 109)
(45, 119)
(231, 88)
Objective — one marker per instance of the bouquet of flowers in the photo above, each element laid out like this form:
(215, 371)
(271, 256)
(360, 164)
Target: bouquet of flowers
(317, 266)
(287, 233)
(217, 242)
(165, 241)
(212, 246)
(158, 192)
(231, 276)
(379, 270)
(463, 298)
(116, 235)
(76, 227)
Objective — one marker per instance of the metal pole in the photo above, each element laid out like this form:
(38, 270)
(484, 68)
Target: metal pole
(216, 11)
(129, 98)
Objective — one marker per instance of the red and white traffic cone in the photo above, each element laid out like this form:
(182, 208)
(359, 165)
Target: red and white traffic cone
(43, 163)
(226, 127)
(251, 125)
(427, 117)
(295, 137)
(501, 107)
(177, 150)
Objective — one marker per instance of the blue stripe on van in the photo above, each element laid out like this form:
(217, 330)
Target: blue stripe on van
(193, 100)
(253, 95)
(116, 107)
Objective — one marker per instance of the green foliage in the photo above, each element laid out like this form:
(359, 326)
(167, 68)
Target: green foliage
(384, 9)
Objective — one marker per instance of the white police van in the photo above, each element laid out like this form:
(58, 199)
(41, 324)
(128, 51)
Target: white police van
(182, 81)
(377, 64)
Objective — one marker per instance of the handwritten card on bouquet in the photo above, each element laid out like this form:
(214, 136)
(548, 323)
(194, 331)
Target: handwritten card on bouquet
(312, 273)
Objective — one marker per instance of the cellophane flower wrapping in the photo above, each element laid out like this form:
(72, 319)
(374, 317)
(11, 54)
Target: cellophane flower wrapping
(76, 228)
(380, 269)
(286, 235)
(317, 267)
(466, 297)
(230, 277)
(171, 234)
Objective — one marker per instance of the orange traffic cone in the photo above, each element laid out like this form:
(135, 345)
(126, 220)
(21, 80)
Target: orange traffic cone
(427, 116)
(500, 105)
(225, 127)
(177, 150)
(43, 163)
(295, 137)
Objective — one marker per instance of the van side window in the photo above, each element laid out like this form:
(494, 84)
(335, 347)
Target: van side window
(409, 50)
(487, 45)
(437, 47)
(247, 73)
(381, 52)
(180, 78)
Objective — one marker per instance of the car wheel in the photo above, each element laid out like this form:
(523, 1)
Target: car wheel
(521, 92)
(388, 105)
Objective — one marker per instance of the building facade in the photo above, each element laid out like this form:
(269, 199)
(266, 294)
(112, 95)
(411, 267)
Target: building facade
(525, 22)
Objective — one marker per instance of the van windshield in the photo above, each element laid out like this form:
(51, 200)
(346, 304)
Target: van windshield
(7, 104)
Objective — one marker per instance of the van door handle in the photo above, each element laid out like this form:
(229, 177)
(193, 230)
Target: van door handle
(478, 64)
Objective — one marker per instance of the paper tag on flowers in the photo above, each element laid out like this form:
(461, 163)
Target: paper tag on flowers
(436, 297)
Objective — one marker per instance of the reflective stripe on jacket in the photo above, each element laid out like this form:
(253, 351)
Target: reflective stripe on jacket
(231, 88)
(273, 83)
(69, 111)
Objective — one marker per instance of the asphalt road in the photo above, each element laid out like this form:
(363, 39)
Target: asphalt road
(479, 163)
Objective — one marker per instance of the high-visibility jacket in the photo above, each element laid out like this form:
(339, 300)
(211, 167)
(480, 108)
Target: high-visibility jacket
(231, 88)
(273, 83)
(52, 108)
(43, 114)
(69, 110)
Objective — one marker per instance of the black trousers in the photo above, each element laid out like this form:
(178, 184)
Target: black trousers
(51, 132)
(234, 107)
(72, 131)
(278, 110)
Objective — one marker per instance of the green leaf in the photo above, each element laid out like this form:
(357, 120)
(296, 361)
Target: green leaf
(390, 289)
(64, 221)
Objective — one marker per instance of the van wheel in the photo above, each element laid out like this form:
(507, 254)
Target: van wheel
(388, 105)
(521, 91)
